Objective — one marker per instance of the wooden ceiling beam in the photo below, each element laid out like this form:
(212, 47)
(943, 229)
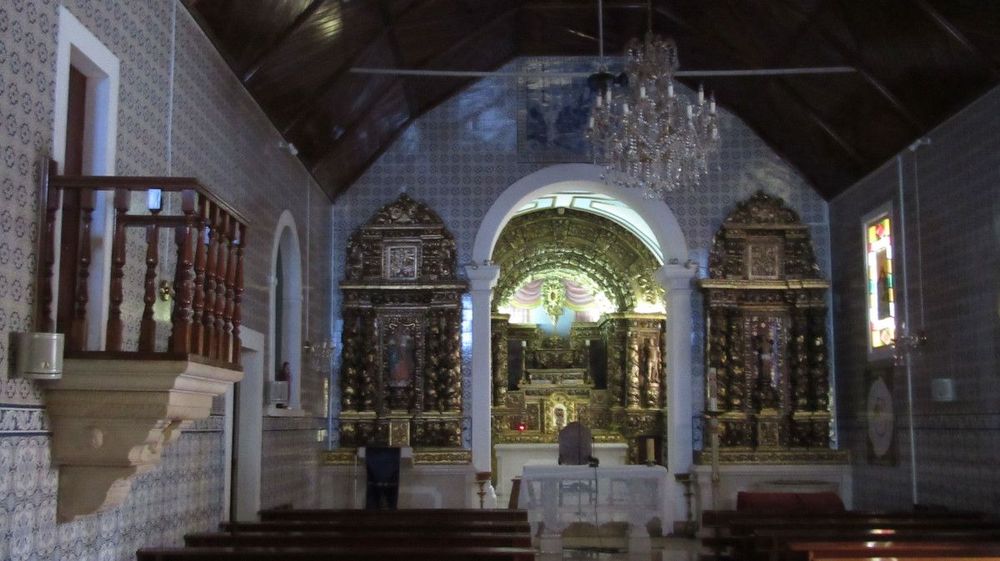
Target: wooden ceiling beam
(304, 108)
(958, 36)
(397, 53)
(850, 59)
(279, 39)
(797, 98)
(334, 191)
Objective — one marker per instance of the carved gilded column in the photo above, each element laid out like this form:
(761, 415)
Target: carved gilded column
(632, 376)
(452, 401)
(369, 384)
(349, 379)
(499, 358)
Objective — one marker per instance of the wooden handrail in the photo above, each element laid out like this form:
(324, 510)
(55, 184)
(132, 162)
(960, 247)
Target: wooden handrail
(140, 183)
(210, 238)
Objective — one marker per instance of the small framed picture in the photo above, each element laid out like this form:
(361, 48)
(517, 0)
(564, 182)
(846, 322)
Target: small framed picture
(764, 259)
(402, 262)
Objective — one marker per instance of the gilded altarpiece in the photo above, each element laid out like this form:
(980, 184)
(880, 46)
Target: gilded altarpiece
(401, 376)
(607, 375)
(767, 371)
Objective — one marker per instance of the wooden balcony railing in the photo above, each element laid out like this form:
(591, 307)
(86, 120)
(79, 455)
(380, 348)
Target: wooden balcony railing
(210, 239)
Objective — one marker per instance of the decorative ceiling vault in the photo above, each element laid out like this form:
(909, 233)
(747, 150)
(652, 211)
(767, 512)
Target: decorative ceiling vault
(917, 62)
(576, 244)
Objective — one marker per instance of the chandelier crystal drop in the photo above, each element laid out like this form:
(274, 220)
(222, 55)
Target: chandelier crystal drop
(645, 135)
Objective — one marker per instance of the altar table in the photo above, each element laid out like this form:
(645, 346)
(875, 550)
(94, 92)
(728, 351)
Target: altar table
(556, 496)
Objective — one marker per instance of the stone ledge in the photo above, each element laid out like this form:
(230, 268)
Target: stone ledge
(111, 419)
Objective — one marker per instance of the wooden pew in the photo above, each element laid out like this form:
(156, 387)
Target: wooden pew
(774, 543)
(354, 539)
(738, 531)
(361, 525)
(833, 551)
(382, 553)
(436, 514)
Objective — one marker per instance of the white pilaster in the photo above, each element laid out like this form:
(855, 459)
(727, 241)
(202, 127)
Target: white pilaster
(676, 280)
(482, 279)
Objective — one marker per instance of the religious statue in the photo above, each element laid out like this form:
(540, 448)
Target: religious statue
(653, 369)
(767, 375)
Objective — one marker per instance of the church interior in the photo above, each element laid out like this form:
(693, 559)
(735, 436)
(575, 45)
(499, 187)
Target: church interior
(255, 251)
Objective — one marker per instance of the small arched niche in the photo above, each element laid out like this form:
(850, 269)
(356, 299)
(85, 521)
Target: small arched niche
(285, 311)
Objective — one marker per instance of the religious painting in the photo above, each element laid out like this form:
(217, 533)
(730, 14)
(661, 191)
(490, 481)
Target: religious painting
(881, 441)
(401, 355)
(402, 262)
(880, 285)
(764, 259)
(553, 111)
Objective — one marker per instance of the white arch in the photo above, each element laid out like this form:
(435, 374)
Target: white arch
(587, 177)
(286, 239)
(675, 276)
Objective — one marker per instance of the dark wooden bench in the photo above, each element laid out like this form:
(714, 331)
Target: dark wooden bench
(774, 543)
(436, 514)
(358, 539)
(831, 551)
(361, 525)
(382, 553)
(746, 533)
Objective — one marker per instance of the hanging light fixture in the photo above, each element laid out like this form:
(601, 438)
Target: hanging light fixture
(644, 134)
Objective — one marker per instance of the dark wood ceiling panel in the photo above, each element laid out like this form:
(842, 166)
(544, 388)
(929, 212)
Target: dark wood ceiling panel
(561, 28)
(347, 100)
(421, 41)
(364, 142)
(973, 23)
(245, 28)
(916, 62)
(327, 46)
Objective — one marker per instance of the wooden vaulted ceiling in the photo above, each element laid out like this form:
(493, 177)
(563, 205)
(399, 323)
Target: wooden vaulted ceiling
(917, 62)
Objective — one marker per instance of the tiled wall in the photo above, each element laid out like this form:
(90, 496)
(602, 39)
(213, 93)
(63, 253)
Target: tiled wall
(461, 155)
(181, 112)
(951, 203)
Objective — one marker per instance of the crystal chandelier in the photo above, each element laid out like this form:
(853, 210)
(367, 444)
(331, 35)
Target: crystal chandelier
(645, 135)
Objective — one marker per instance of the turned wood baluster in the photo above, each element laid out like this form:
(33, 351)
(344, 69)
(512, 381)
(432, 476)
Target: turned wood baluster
(227, 345)
(115, 325)
(201, 249)
(221, 263)
(53, 199)
(81, 294)
(238, 293)
(208, 315)
(147, 328)
(184, 237)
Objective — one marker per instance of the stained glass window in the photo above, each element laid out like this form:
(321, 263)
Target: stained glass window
(881, 282)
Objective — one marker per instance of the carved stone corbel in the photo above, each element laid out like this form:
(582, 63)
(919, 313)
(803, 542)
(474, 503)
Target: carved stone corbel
(111, 420)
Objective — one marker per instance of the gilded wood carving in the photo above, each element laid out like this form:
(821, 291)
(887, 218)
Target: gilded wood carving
(401, 377)
(767, 369)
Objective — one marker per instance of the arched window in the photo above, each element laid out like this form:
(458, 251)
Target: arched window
(285, 321)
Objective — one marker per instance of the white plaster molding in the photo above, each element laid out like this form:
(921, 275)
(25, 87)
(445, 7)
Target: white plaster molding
(482, 278)
(584, 177)
(111, 419)
(676, 281)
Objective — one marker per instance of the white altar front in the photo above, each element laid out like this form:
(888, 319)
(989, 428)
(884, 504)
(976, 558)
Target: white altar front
(512, 457)
(556, 496)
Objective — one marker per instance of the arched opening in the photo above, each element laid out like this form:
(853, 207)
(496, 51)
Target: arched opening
(285, 313)
(673, 276)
